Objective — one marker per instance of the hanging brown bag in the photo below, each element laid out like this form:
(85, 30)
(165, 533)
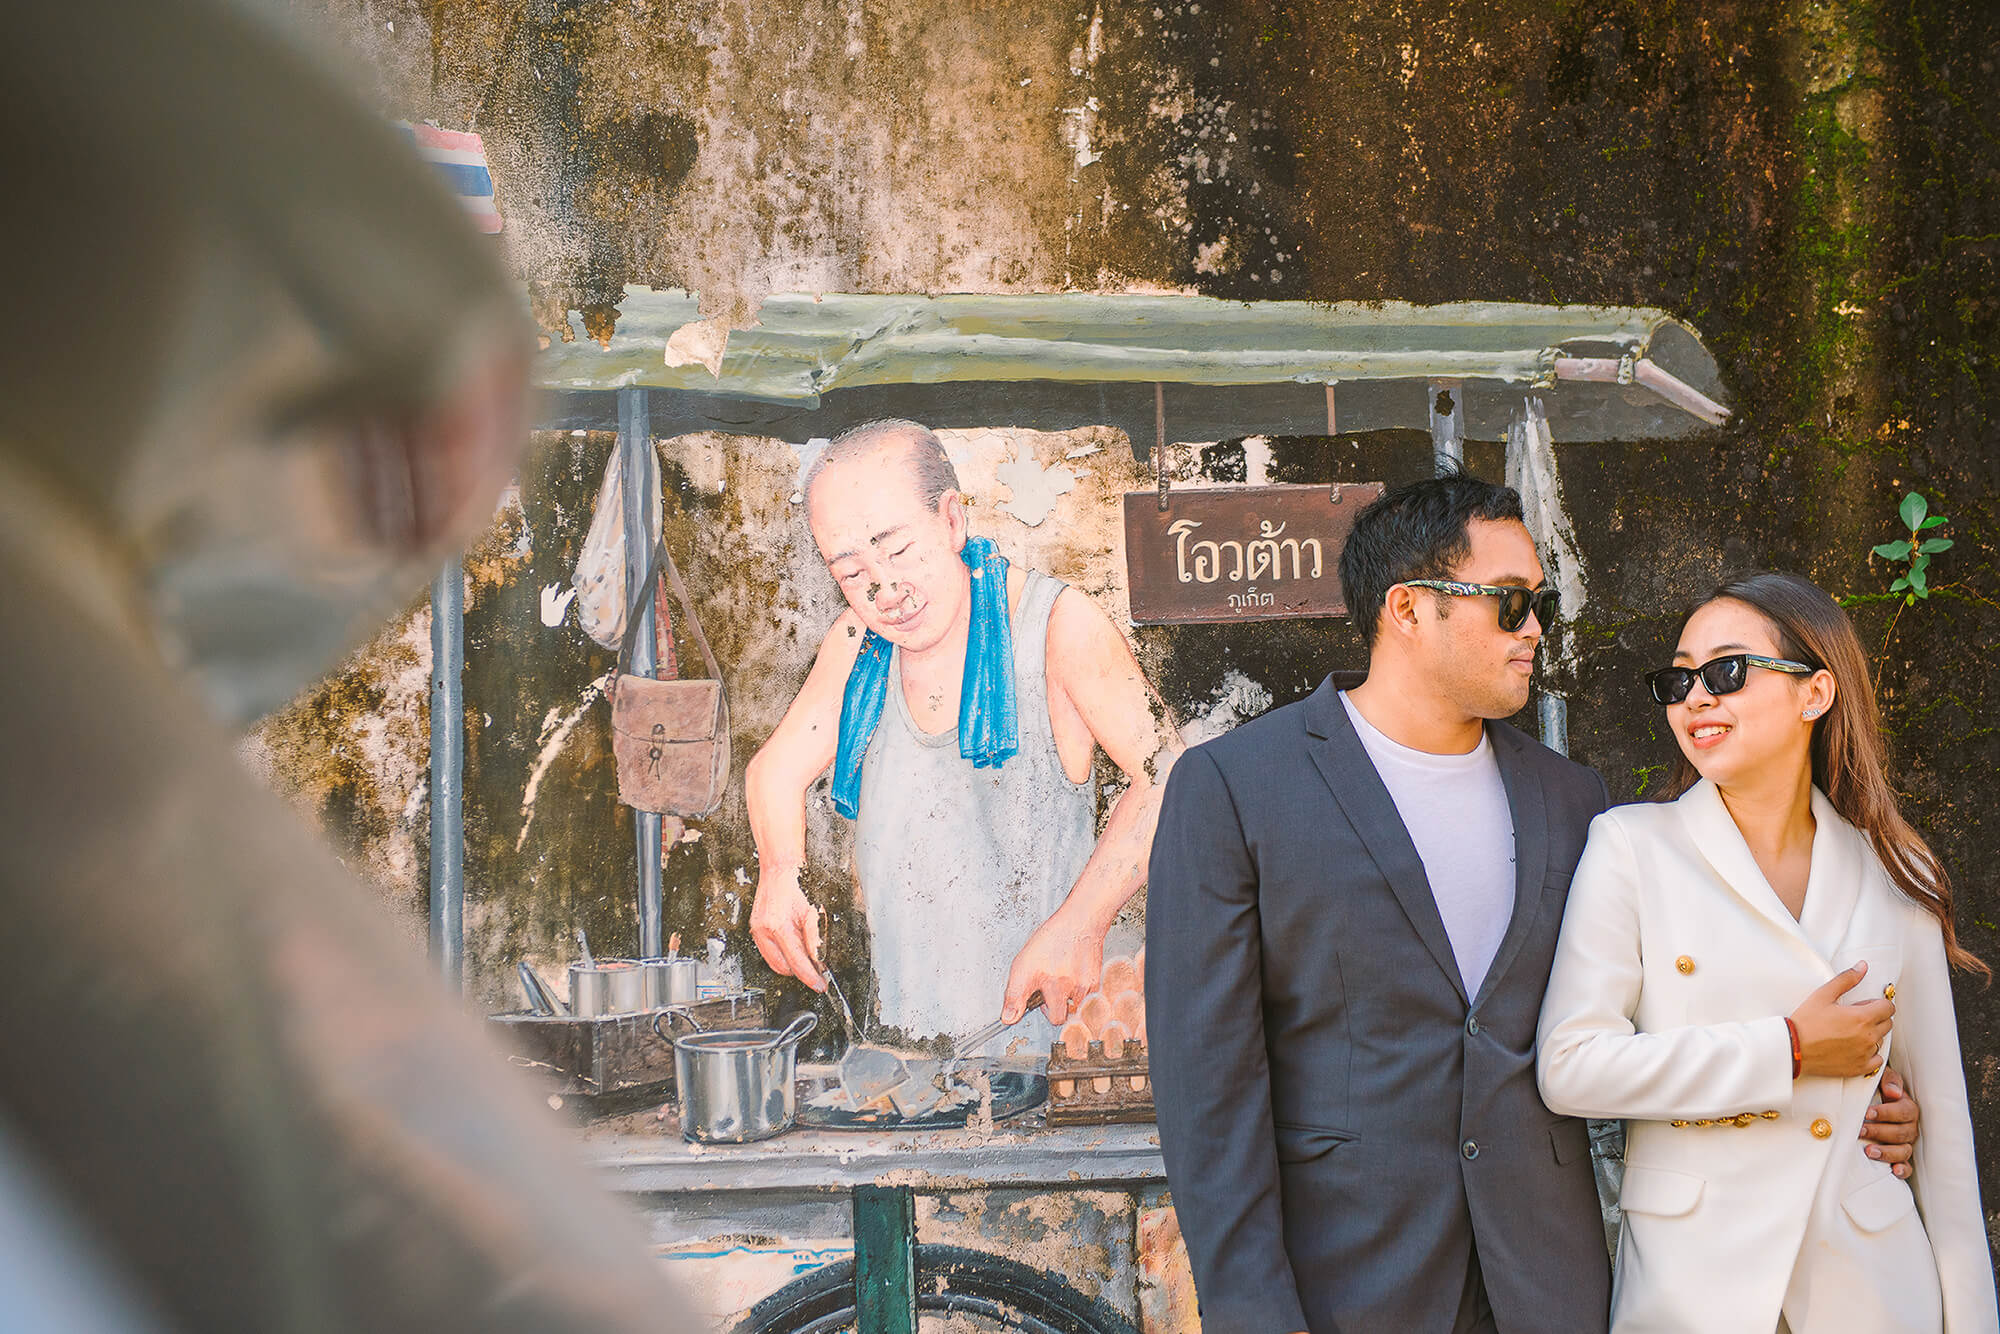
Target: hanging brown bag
(670, 738)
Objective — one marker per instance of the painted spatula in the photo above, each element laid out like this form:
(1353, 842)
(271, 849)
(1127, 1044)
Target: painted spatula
(866, 1072)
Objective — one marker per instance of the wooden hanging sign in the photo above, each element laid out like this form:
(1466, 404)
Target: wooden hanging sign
(1239, 553)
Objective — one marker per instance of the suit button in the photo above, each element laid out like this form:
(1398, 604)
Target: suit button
(1889, 992)
(1685, 964)
(1472, 1025)
(1469, 1149)
(1822, 1128)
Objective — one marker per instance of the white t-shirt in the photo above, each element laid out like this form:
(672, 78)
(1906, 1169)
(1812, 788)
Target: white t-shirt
(1455, 807)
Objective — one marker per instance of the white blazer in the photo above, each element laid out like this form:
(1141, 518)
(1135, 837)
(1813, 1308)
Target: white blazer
(1747, 1193)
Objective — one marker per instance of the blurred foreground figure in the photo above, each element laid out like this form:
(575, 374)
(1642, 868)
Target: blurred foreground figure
(257, 377)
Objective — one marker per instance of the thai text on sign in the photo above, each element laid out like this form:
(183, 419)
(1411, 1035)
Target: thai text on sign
(1239, 553)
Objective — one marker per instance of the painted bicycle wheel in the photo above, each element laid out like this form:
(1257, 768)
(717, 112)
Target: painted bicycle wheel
(958, 1289)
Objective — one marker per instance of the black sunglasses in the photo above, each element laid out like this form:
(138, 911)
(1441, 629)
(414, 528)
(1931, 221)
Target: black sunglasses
(1722, 676)
(1515, 602)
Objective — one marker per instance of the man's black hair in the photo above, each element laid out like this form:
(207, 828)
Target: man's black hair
(1417, 531)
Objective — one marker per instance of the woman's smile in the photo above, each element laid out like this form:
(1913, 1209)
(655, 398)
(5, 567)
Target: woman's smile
(1708, 733)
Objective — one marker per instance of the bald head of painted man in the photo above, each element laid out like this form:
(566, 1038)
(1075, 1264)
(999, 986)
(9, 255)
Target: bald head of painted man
(886, 513)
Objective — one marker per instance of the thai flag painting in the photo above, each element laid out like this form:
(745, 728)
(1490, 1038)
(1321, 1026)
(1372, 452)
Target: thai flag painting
(461, 156)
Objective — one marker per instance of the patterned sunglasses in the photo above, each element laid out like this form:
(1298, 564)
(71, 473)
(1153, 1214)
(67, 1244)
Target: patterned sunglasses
(1719, 676)
(1515, 602)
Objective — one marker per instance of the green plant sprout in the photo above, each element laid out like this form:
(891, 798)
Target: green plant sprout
(1916, 550)
(1914, 553)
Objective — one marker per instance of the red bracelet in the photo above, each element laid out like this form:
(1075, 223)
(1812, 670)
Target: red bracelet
(1798, 1053)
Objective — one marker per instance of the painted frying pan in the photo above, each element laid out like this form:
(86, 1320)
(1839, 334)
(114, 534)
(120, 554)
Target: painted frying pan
(821, 1106)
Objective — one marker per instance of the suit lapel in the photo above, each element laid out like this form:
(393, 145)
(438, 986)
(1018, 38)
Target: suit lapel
(1721, 844)
(1343, 762)
(1839, 865)
(1531, 848)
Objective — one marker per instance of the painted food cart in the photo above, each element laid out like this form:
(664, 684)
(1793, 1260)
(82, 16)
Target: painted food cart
(1023, 1224)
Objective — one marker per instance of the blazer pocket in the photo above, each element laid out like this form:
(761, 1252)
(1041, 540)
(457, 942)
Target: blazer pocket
(1571, 1139)
(1302, 1144)
(1655, 1190)
(1879, 1203)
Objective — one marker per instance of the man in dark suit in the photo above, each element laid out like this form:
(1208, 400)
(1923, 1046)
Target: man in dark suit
(1353, 906)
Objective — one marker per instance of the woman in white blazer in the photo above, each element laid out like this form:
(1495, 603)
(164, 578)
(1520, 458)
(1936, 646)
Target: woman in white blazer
(1734, 968)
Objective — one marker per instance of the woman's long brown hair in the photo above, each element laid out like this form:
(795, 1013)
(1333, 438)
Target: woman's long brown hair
(1849, 759)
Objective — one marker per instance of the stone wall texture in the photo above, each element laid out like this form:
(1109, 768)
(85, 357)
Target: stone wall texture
(1814, 186)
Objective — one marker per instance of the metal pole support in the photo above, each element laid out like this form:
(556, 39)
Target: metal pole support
(447, 937)
(1554, 713)
(635, 440)
(1447, 409)
(885, 1260)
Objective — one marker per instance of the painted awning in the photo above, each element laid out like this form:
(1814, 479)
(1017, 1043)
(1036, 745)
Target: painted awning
(1229, 368)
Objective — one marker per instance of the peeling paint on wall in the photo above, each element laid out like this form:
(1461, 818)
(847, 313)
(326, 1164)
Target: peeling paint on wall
(353, 753)
(1167, 1302)
(1237, 699)
(1033, 488)
(556, 728)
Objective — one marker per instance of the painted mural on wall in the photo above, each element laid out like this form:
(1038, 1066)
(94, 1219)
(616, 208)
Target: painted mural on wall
(933, 780)
(958, 704)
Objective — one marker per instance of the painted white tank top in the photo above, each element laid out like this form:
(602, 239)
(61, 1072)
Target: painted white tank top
(958, 865)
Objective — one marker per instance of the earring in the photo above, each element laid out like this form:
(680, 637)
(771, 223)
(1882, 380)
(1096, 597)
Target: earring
(1810, 714)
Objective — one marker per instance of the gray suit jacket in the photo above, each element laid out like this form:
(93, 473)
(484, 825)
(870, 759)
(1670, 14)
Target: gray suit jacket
(1340, 1120)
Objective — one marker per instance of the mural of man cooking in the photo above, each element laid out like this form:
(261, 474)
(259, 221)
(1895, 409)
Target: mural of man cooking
(959, 703)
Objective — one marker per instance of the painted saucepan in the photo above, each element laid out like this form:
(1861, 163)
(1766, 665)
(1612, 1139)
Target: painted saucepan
(736, 1085)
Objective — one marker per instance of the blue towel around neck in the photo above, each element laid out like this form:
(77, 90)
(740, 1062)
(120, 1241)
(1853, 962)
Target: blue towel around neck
(989, 720)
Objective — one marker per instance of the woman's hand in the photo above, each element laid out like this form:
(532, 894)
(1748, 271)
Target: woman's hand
(1838, 1040)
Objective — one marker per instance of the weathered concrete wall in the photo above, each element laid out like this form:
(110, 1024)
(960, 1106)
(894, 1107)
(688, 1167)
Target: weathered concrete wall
(1815, 186)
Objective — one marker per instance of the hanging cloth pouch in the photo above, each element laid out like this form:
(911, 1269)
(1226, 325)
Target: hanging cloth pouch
(670, 738)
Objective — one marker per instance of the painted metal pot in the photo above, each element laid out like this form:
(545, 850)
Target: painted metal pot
(671, 981)
(606, 986)
(739, 1084)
